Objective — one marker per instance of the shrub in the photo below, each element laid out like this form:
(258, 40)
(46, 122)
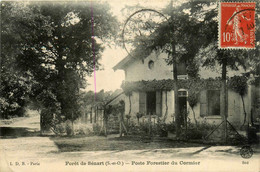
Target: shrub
(96, 129)
(60, 128)
(160, 128)
(198, 131)
(69, 128)
(83, 131)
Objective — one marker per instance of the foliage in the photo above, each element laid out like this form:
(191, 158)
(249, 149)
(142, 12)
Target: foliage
(128, 117)
(160, 128)
(100, 98)
(256, 81)
(139, 115)
(209, 54)
(96, 129)
(54, 43)
(238, 84)
(14, 90)
(60, 128)
(15, 85)
(193, 83)
(197, 131)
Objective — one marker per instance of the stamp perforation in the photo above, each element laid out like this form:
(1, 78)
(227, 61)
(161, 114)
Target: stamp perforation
(236, 32)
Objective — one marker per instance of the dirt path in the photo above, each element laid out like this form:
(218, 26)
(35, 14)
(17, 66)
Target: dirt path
(41, 154)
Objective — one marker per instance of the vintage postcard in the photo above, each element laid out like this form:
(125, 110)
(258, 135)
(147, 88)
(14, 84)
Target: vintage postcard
(141, 85)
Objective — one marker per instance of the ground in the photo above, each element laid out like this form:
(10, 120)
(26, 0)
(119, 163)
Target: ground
(20, 143)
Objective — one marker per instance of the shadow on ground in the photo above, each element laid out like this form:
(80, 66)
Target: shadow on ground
(14, 132)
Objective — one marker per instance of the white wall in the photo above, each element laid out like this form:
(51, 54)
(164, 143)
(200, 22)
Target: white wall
(235, 111)
(139, 70)
(170, 103)
(134, 104)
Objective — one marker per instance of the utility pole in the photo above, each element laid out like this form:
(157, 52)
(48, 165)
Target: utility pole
(224, 96)
(175, 78)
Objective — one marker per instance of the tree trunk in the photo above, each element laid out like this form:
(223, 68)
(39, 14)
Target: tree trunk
(176, 100)
(175, 77)
(122, 125)
(41, 123)
(166, 107)
(224, 98)
(120, 129)
(130, 104)
(194, 116)
(244, 108)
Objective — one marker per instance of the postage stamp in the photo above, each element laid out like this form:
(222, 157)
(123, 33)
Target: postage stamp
(236, 25)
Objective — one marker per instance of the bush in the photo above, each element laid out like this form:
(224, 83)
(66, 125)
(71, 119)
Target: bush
(81, 129)
(160, 128)
(60, 128)
(69, 128)
(96, 129)
(198, 131)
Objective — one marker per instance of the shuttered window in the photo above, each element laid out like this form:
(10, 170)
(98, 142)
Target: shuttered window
(209, 102)
(150, 103)
(142, 102)
(213, 102)
(203, 103)
(159, 103)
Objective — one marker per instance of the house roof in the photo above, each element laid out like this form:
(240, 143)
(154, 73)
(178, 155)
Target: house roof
(137, 53)
(121, 65)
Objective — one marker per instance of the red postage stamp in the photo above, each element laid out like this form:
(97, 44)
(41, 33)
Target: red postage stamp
(237, 25)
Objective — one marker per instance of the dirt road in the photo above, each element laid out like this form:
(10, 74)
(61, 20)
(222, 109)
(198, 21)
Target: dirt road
(32, 153)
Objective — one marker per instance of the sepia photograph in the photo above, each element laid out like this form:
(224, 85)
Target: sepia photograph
(130, 85)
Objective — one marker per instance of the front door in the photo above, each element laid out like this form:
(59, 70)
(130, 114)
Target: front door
(183, 109)
(183, 106)
(151, 103)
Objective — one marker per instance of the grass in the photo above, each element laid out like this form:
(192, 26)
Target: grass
(99, 143)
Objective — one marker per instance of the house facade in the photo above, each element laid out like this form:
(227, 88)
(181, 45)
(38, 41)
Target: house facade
(153, 93)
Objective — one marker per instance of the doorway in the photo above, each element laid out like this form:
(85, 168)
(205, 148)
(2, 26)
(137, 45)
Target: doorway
(183, 106)
(151, 102)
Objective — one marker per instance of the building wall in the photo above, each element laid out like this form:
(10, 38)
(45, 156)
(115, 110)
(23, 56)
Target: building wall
(139, 69)
(235, 109)
(134, 104)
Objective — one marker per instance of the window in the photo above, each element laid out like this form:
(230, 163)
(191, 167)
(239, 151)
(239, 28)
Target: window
(151, 64)
(181, 69)
(210, 102)
(150, 103)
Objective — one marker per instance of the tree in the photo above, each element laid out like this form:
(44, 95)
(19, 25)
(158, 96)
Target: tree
(206, 13)
(152, 35)
(15, 84)
(60, 44)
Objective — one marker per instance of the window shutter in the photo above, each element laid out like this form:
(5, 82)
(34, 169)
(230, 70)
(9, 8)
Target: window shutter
(213, 102)
(203, 103)
(142, 102)
(159, 103)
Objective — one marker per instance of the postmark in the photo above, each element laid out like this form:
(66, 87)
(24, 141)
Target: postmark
(246, 152)
(236, 25)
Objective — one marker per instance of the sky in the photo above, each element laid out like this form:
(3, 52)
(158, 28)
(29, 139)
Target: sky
(108, 79)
